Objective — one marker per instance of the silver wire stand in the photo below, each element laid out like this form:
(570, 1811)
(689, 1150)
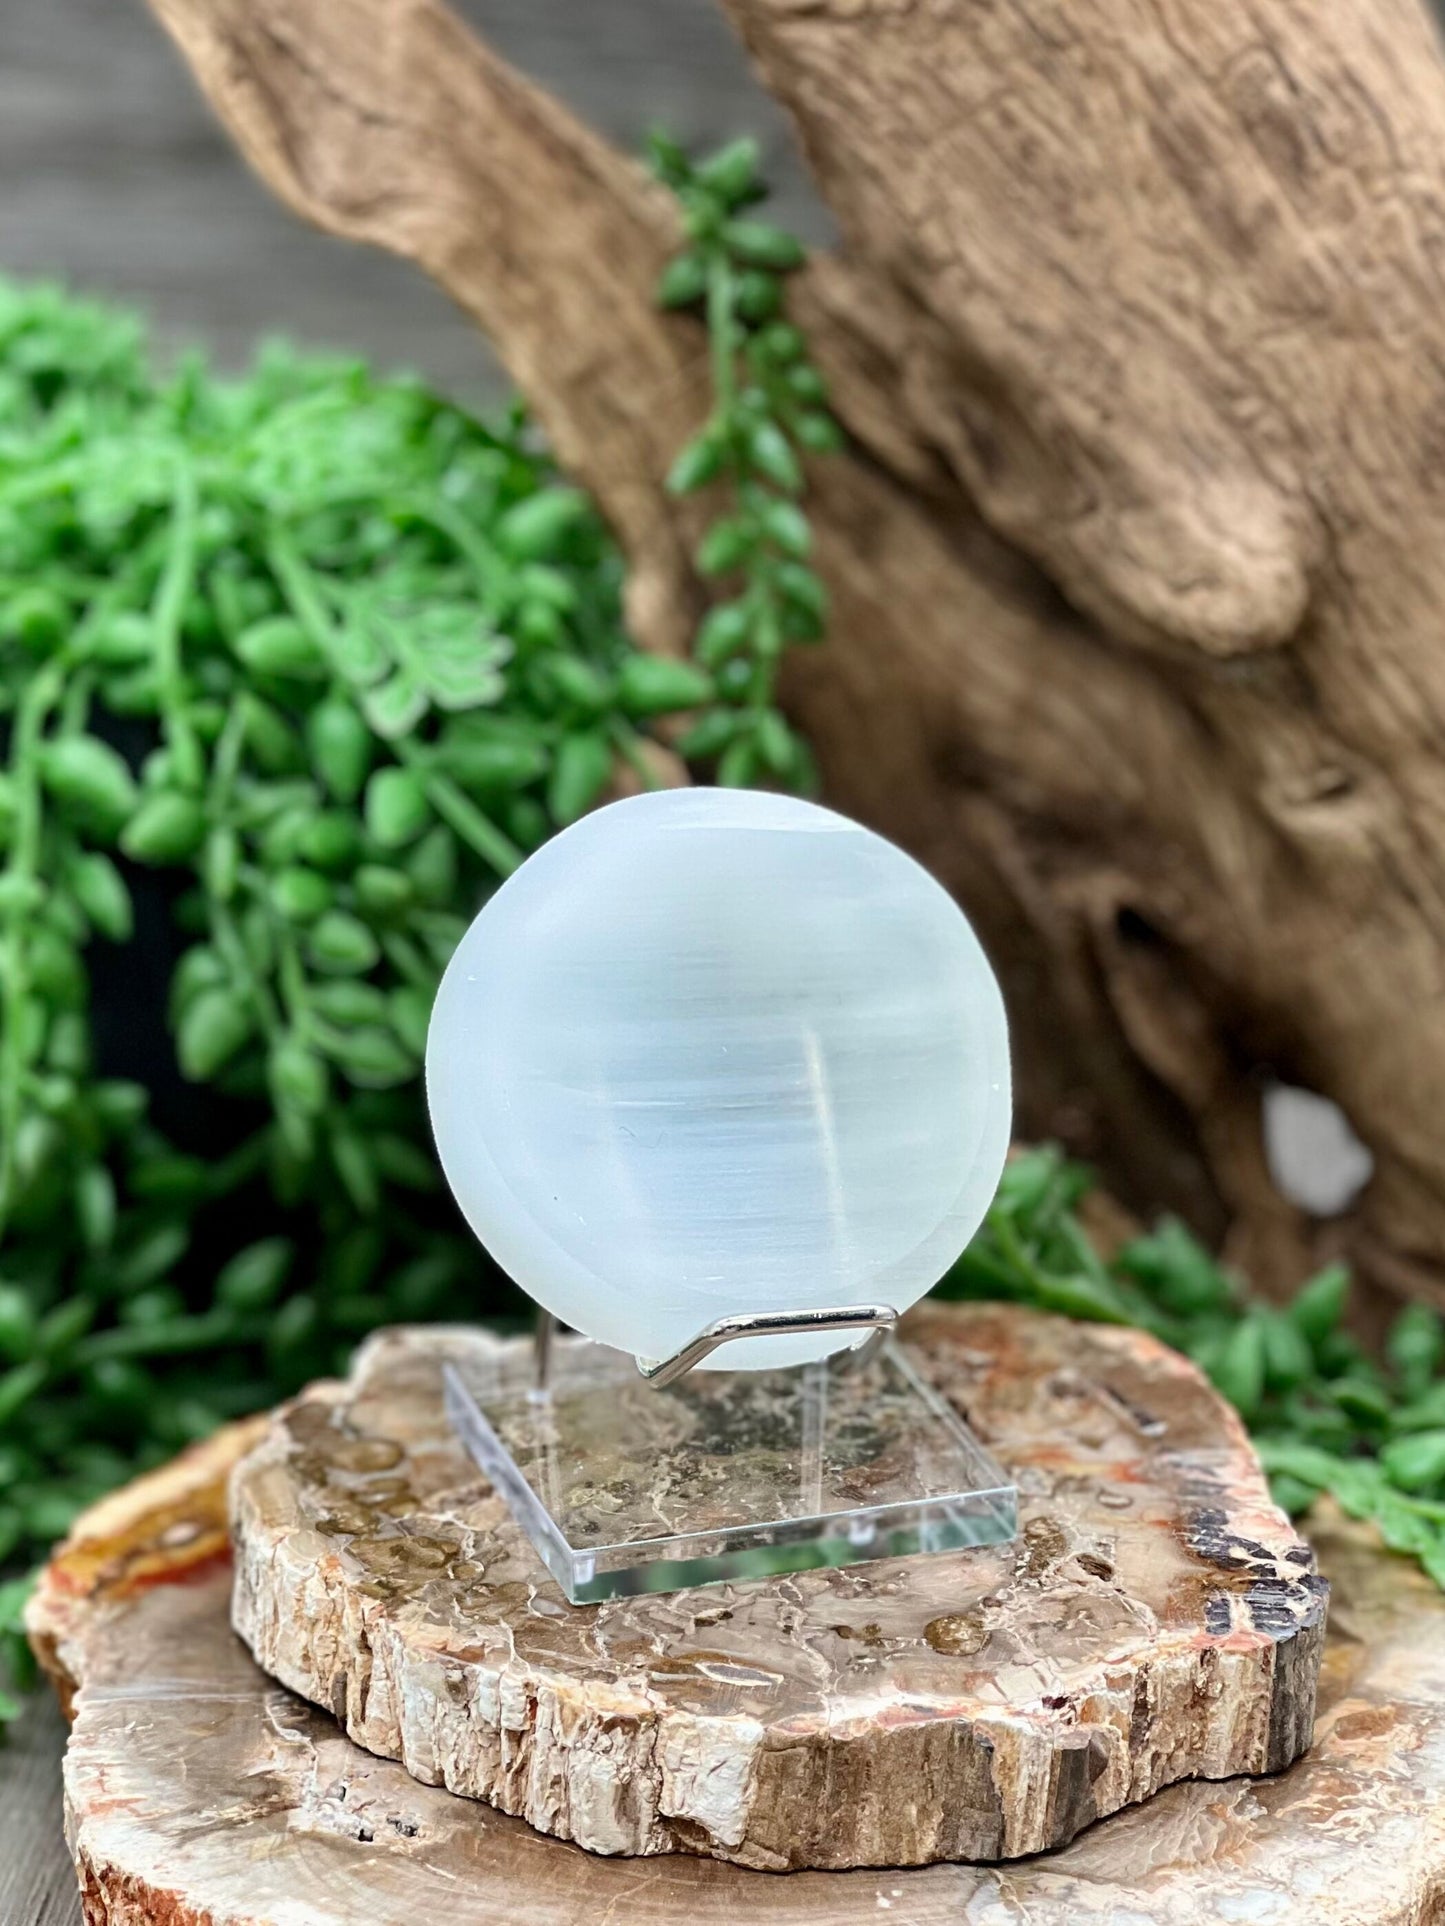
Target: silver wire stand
(876, 1320)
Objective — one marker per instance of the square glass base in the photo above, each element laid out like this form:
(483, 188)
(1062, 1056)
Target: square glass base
(726, 1474)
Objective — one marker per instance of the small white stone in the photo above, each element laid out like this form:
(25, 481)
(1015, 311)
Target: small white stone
(712, 1051)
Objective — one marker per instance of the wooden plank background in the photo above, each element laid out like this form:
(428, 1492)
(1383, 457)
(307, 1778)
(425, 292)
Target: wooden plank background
(116, 180)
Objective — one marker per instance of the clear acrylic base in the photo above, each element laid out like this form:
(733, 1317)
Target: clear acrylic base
(626, 1488)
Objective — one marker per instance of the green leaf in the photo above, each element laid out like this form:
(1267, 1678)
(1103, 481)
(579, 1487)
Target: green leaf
(726, 545)
(492, 762)
(710, 735)
(211, 1030)
(301, 895)
(37, 617)
(221, 862)
(402, 1162)
(60, 1328)
(786, 526)
(455, 656)
(1415, 1347)
(154, 1253)
(342, 747)
(280, 646)
(758, 295)
(654, 685)
(732, 172)
(1425, 1413)
(356, 1169)
(122, 639)
(410, 1011)
(771, 455)
(1291, 1494)
(683, 281)
(1416, 1462)
(760, 244)
(269, 737)
(394, 707)
(724, 632)
(698, 463)
(297, 1077)
(372, 1057)
(819, 433)
(90, 777)
(19, 1385)
(1238, 1372)
(540, 527)
(294, 1325)
(579, 775)
(776, 744)
(95, 1206)
(667, 159)
(397, 810)
(1319, 1306)
(99, 889)
(358, 650)
(330, 840)
(804, 593)
(252, 1280)
(432, 866)
(1177, 1269)
(347, 1001)
(739, 764)
(20, 895)
(1288, 1361)
(199, 969)
(1362, 1398)
(382, 891)
(807, 384)
(579, 683)
(782, 342)
(166, 829)
(119, 1104)
(340, 943)
(18, 1320)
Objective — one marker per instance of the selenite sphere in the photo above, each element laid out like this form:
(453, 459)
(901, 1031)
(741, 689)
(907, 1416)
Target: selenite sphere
(712, 1051)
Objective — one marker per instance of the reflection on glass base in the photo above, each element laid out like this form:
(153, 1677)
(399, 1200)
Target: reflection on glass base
(727, 1474)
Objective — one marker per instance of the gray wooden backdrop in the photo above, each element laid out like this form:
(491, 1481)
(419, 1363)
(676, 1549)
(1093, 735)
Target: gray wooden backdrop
(116, 180)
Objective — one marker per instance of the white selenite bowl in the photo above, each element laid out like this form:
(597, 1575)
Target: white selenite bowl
(714, 1051)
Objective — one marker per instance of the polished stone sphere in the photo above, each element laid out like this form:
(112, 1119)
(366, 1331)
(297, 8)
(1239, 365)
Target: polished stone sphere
(713, 1051)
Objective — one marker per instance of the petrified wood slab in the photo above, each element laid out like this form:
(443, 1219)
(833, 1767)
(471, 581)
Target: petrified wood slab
(1158, 1619)
(201, 1794)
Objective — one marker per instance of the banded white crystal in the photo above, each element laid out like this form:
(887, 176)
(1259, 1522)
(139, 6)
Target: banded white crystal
(711, 1051)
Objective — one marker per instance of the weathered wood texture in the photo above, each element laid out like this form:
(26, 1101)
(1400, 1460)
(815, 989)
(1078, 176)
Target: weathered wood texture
(37, 1884)
(201, 1794)
(1138, 326)
(1156, 1619)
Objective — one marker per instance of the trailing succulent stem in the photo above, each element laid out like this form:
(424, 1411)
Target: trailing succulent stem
(769, 411)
